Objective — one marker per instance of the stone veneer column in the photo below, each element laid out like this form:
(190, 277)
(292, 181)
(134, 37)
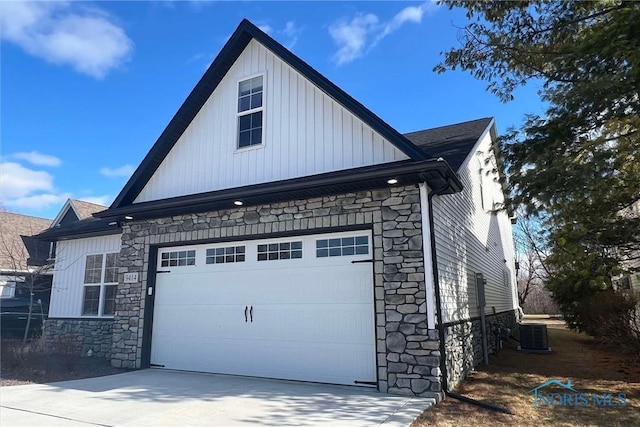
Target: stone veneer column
(407, 353)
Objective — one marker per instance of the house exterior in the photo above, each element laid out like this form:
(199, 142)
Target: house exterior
(22, 255)
(278, 228)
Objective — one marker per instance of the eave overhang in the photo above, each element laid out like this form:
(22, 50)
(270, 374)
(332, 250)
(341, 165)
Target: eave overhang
(436, 173)
(90, 227)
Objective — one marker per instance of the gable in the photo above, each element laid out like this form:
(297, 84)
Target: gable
(306, 132)
(68, 218)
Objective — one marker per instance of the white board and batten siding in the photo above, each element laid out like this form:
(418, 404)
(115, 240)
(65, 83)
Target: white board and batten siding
(68, 277)
(471, 239)
(305, 133)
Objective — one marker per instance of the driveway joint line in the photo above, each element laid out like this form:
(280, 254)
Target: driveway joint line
(56, 416)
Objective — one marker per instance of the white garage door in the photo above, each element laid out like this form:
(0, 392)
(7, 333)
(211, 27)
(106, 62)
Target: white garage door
(293, 308)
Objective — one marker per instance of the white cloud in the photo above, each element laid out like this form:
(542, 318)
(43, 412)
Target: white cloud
(292, 32)
(265, 28)
(38, 201)
(39, 159)
(362, 33)
(18, 181)
(99, 200)
(85, 38)
(352, 36)
(122, 171)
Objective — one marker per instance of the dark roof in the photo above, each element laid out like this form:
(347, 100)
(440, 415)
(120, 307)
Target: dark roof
(453, 142)
(88, 227)
(234, 47)
(17, 248)
(436, 173)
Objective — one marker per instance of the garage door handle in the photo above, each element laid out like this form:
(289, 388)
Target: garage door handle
(251, 313)
(245, 313)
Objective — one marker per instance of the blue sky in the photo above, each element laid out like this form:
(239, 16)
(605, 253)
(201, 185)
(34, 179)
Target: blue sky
(87, 87)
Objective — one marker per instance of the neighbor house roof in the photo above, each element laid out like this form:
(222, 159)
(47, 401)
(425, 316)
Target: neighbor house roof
(453, 142)
(74, 210)
(234, 47)
(86, 209)
(81, 224)
(18, 249)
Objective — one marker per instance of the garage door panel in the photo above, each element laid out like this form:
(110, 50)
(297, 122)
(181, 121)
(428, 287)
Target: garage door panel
(313, 318)
(345, 323)
(199, 320)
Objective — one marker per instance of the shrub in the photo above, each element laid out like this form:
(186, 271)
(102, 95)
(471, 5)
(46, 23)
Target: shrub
(613, 318)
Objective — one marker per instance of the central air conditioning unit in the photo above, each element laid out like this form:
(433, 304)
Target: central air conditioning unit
(534, 338)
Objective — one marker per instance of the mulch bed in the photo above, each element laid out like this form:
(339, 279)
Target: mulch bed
(39, 366)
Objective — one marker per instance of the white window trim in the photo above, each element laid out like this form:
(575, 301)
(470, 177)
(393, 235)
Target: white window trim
(102, 284)
(239, 149)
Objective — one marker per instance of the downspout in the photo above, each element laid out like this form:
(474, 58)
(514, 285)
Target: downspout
(441, 332)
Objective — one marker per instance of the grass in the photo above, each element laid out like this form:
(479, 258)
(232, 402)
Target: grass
(511, 374)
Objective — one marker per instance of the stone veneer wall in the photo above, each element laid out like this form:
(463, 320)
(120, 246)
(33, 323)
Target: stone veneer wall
(81, 335)
(464, 343)
(407, 353)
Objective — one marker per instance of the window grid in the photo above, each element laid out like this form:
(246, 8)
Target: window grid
(276, 251)
(98, 298)
(111, 268)
(250, 102)
(345, 246)
(91, 301)
(225, 255)
(109, 307)
(93, 269)
(178, 258)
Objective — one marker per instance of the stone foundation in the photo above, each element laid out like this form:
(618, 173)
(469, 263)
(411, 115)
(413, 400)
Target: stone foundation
(80, 336)
(464, 343)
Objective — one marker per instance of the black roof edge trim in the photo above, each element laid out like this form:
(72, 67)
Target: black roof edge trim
(61, 234)
(212, 78)
(364, 177)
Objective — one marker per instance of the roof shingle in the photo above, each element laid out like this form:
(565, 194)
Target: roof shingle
(452, 142)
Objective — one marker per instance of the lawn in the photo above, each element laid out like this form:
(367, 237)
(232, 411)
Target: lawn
(510, 375)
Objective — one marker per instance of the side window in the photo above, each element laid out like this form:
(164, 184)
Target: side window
(100, 285)
(250, 109)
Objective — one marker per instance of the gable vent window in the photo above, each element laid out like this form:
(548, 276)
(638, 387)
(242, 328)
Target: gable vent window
(250, 93)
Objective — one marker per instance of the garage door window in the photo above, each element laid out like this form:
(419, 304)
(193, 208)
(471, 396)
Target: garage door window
(178, 258)
(354, 245)
(276, 251)
(225, 255)
(100, 285)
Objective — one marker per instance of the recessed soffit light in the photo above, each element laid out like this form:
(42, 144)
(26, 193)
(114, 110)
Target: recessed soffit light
(238, 203)
(392, 181)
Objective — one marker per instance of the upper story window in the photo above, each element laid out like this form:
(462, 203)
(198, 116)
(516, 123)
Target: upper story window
(250, 110)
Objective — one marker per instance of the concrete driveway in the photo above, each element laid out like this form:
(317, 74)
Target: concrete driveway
(155, 397)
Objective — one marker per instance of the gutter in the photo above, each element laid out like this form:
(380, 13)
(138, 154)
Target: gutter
(441, 331)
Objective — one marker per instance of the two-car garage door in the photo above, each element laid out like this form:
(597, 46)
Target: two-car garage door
(293, 308)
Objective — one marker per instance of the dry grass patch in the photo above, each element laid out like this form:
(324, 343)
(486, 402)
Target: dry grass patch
(511, 375)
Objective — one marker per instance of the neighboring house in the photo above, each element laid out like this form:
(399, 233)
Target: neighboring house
(22, 256)
(278, 228)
